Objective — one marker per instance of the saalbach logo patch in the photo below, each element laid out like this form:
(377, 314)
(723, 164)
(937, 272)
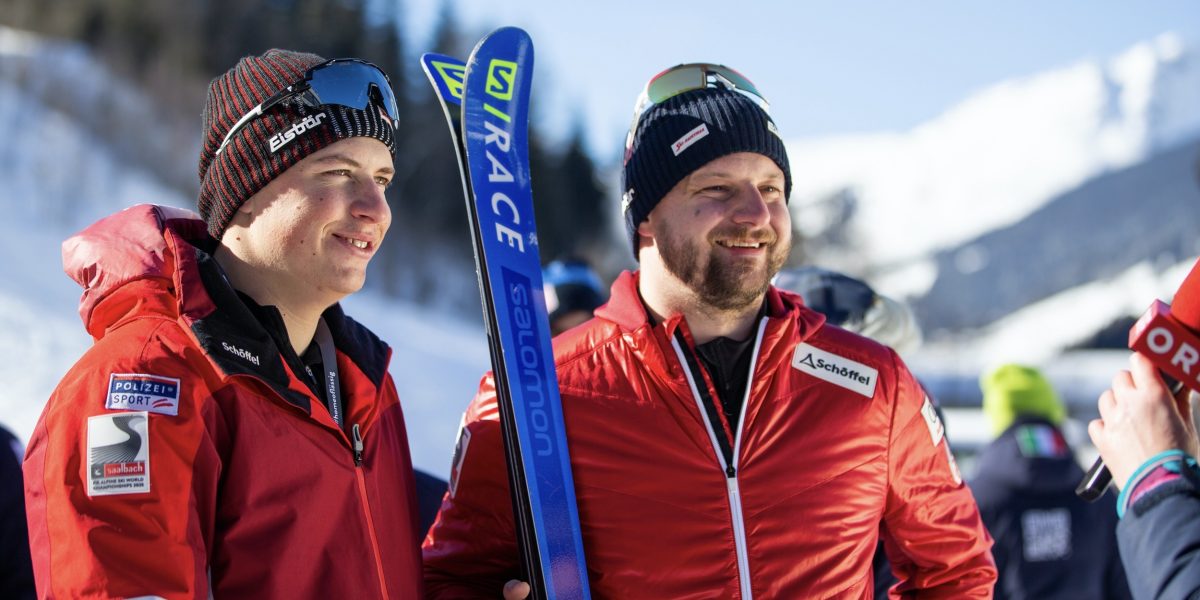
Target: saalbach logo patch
(835, 369)
(118, 454)
(142, 391)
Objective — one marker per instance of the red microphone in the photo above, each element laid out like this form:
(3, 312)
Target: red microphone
(1170, 337)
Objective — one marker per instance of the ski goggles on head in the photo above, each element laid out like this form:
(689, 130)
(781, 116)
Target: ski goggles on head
(348, 82)
(685, 78)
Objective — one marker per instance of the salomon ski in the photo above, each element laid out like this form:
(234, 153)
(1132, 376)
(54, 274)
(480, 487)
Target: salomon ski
(486, 102)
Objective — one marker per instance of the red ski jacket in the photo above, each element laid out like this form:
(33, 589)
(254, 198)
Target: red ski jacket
(181, 457)
(837, 446)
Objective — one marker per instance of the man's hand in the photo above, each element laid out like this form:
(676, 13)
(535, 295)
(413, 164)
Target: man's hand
(516, 590)
(1139, 419)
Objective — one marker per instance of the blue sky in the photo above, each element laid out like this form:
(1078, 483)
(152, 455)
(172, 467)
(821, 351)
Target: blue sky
(827, 67)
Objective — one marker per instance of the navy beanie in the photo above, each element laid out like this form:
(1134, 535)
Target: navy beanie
(249, 162)
(686, 132)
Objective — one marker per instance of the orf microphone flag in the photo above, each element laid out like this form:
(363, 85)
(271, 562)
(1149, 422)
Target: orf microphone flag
(1170, 337)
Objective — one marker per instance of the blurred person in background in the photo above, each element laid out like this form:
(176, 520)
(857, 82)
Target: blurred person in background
(232, 433)
(573, 292)
(16, 570)
(1049, 542)
(854, 305)
(1147, 438)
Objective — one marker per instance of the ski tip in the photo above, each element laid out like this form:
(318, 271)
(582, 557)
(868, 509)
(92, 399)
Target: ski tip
(447, 75)
(509, 34)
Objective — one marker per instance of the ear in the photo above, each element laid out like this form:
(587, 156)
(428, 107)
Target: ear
(644, 230)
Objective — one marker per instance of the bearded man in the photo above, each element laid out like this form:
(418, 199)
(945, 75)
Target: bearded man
(725, 442)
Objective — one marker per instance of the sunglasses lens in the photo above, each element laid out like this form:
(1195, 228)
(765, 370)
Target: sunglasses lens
(674, 82)
(352, 84)
(685, 78)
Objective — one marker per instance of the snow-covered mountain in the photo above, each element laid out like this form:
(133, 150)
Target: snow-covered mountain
(885, 203)
(1028, 216)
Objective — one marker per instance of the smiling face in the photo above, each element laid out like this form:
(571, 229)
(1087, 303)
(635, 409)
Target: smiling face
(721, 233)
(305, 239)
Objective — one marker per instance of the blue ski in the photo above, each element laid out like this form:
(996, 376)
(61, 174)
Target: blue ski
(491, 134)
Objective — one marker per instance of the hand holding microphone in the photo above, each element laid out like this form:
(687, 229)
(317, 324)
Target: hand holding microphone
(1144, 412)
(1139, 418)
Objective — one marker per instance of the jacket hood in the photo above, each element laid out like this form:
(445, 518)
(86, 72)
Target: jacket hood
(133, 250)
(1031, 455)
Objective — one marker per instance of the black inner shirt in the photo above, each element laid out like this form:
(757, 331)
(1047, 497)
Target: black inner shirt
(728, 364)
(306, 366)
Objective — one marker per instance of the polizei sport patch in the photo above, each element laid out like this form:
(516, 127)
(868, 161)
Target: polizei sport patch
(835, 369)
(142, 391)
(118, 454)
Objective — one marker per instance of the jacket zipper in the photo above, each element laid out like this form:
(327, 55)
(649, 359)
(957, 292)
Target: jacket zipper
(731, 480)
(362, 496)
(356, 443)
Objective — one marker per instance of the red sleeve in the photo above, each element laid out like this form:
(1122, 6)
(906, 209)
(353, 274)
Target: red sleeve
(935, 539)
(140, 529)
(471, 550)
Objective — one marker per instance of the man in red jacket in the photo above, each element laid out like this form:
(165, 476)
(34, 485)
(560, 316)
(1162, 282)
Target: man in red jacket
(725, 442)
(233, 434)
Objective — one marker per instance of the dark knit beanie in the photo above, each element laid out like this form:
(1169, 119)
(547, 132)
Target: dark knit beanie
(247, 164)
(686, 132)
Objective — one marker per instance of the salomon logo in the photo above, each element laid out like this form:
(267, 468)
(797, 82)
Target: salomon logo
(241, 353)
(286, 136)
(835, 369)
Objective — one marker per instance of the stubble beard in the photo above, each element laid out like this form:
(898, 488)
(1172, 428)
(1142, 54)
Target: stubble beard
(723, 285)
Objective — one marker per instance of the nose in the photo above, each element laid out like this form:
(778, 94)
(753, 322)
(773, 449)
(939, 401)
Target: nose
(371, 204)
(751, 207)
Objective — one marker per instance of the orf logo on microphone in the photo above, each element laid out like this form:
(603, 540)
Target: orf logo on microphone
(1171, 346)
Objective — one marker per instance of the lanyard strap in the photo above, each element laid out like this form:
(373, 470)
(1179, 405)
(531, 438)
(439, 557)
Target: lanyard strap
(333, 393)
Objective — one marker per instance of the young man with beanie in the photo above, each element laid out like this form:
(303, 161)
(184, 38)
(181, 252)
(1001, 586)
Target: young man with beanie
(724, 442)
(233, 434)
(1049, 542)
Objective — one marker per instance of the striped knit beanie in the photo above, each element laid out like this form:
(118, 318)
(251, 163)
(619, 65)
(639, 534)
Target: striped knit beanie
(686, 132)
(248, 163)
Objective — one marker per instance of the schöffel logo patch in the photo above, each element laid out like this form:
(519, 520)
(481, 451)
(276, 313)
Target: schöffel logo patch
(689, 138)
(118, 454)
(142, 391)
(835, 369)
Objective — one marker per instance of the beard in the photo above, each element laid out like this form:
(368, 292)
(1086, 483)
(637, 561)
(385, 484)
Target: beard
(724, 283)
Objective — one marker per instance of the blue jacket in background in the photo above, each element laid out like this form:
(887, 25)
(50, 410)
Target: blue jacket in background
(1049, 542)
(1159, 539)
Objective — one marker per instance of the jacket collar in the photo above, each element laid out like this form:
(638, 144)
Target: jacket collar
(789, 322)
